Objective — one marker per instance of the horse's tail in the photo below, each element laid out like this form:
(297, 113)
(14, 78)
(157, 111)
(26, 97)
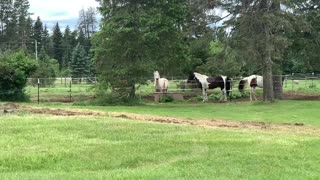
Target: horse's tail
(166, 84)
(241, 86)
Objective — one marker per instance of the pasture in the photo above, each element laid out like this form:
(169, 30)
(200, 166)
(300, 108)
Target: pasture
(61, 92)
(164, 141)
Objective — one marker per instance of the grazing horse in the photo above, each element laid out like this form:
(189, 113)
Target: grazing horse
(160, 84)
(204, 82)
(253, 81)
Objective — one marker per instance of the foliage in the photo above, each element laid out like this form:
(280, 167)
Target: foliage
(166, 98)
(57, 44)
(47, 72)
(303, 54)
(80, 64)
(137, 38)
(15, 68)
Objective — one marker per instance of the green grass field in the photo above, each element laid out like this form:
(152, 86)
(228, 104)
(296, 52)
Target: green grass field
(40, 146)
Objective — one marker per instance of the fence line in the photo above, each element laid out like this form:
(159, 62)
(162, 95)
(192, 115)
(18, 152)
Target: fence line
(67, 89)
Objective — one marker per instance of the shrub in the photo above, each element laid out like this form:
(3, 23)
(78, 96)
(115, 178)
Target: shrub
(166, 98)
(15, 68)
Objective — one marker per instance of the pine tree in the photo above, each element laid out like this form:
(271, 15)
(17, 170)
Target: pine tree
(11, 34)
(67, 48)
(29, 35)
(81, 38)
(45, 40)
(21, 8)
(38, 32)
(137, 37)
(80, 63)
(6, 8)
(57, 44)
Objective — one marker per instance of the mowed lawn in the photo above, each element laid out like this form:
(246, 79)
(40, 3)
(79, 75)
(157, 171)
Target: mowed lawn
(101, 147)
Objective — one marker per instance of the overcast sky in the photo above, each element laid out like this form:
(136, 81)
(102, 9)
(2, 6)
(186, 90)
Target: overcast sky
(66, 12)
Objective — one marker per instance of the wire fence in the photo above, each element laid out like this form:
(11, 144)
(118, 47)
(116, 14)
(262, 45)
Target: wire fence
(66, 89)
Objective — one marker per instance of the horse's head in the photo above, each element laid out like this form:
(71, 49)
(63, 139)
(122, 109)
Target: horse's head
(191, 78)
(156, 75)
(193, 81)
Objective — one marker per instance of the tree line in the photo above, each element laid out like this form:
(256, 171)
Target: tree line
(53, 52)
(19, 32)
(267, 37)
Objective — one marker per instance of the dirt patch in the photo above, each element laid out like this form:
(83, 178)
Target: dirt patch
(292, 95)
(296, 128)
(62, 112)
(8, 108)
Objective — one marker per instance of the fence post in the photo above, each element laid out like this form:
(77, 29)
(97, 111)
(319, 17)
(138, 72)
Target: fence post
(38, 91)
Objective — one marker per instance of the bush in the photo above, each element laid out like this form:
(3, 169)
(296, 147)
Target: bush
(15, 68)
(166, 98)
(47, 73)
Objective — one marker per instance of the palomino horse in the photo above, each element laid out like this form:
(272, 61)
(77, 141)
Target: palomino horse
(253, 81)
(204, 82)
(160, 84)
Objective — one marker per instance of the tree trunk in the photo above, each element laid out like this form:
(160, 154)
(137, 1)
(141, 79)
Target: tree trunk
(277, 86)
(132, 93)
(268, 94)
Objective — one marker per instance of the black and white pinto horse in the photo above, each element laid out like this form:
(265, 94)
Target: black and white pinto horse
(204, 82)
(160, 84)
(253, 81)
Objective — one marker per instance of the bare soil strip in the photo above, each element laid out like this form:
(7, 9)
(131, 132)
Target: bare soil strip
(296, 128)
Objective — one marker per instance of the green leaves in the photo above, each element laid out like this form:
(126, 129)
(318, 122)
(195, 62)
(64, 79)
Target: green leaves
(15, 68)
(138, 37)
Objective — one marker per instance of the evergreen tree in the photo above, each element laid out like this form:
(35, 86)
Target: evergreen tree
(67, 48)
(11, 29)
(258, 31)
(73, 38)
(6, 8)
(138, 37)
(38, 32)
(45, 41)
(57, 44)
(29, 35)
(80, 63)
(81, 38)
(21, 8)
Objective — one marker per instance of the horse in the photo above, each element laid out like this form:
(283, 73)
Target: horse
(204, 82)
(160, 84)
(253, 81)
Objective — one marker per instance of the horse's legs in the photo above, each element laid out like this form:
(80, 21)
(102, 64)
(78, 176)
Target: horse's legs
(251, 92)
(254, 93)
(204, 93)
(223, 95)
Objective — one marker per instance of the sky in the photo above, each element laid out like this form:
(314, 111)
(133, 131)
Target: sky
(66, 12)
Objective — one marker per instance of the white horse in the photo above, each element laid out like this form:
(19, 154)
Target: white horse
(160, 84)
(253, 81)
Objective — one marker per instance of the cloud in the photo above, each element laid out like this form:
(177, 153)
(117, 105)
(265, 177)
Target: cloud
(66, 12)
